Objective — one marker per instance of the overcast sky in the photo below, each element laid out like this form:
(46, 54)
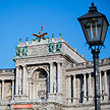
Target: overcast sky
(22, 18)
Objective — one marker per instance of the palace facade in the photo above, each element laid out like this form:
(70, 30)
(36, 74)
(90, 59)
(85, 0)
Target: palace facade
(50, 75)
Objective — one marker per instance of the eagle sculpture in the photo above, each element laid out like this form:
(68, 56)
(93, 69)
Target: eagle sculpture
(40, 35)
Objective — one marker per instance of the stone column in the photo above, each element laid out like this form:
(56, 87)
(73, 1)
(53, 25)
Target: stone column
(12, 92)
(2, 89)
(74, 88)
(101, 86)
(59, 77)
(85, 95)
(105, 86)
(30, 90)
(34, 92)
(89, 88)
(24, 80)
(20, 80)
(68, 89)
(51, 78)
(17, 78)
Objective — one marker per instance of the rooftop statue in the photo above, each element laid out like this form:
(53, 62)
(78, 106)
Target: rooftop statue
(51, 47)
(24, 51)
(59, 44)
(27, 38)
(20, 40)
(53, 35)
(40, 35)
(18, 49)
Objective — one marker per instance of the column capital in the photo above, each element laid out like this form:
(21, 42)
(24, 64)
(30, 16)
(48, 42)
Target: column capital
(59, 62)
(68, 76)
(51, 63)
(85, 74)
(24, 65)
(12, 80)
(74, 75)
(105, 71)
(3, 80)
(17, 66)
(89, 73)
(100, 70)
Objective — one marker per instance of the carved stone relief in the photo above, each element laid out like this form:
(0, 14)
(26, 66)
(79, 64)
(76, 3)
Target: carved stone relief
(42, 94)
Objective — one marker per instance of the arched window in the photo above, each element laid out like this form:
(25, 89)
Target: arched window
(42, 73)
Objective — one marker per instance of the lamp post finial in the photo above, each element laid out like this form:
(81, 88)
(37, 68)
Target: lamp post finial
(92, 4)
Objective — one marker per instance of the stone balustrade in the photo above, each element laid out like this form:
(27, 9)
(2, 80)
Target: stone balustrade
(7, 71)
(81, 87)
(89, 64)
(35, 42)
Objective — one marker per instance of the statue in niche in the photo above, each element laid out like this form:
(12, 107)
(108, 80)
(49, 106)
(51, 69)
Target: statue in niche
(18, 51)
(59, 45)
(51, 47)
(24, 51)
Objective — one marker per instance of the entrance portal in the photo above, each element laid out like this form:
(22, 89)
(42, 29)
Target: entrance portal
(40, 84)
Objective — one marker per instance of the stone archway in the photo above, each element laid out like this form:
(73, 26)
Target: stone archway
(40, 84)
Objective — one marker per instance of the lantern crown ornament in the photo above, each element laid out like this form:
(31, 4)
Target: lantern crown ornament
(94, 26)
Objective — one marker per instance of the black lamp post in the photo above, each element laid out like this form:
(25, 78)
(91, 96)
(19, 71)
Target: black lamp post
(94, 26)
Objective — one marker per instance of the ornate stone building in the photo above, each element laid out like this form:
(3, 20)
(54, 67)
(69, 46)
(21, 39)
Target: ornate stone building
(50, 75)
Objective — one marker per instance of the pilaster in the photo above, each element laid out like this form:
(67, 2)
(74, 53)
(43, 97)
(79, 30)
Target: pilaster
(51, 78)
(3, 83)
(105, 86)
(24, 80)
(101, 86)
(59, 77)
(74, 88)
(12, 91)
(85, 95)
(89, 88)
(16, 79)
(69, 89)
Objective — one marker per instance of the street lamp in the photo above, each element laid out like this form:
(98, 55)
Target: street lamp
(94, 26)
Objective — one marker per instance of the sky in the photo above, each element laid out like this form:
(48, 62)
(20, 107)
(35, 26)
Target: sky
(22, 18)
